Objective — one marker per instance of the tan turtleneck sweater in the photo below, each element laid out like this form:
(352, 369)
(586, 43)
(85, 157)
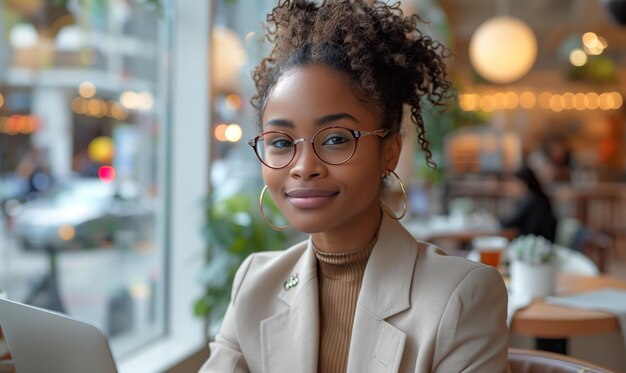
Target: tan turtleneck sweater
(340, 277)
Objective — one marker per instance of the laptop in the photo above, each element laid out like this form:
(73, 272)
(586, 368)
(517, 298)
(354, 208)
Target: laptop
(44, 341)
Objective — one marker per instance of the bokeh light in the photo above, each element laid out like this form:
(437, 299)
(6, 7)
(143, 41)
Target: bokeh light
(592, 100)
(500, 100)
(579, 101)
(233, 102)
(557, 103)
(220, 132)
(117, 111)
(511, 100)
(617, 99)
(77, 105)
(145, 100)
(544, 100)
(129, 99)
(593, 44)
(101, 149)
(605, 100)
(106, 174)
(469, 102)
(487, 103)
(527, 100)
(87, 89)
(27, 124)
(568, 100)
(23, 36)
(96, 107)
(578, 57)
(233, 132)
(66, 232)
(589, 39)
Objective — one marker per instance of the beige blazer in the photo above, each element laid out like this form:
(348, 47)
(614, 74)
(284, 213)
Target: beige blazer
(418, 311)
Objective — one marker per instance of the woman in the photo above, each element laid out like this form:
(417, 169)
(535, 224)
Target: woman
(533, 213)
(361, 295)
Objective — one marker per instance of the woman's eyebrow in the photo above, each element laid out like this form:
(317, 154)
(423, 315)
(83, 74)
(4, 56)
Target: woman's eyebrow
(334, 117)
(279, 122)
(319, 121)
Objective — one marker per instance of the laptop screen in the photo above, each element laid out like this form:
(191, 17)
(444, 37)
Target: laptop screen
(46, 341)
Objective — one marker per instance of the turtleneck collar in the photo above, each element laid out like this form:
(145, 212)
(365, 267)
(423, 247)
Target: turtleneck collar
(346, 266)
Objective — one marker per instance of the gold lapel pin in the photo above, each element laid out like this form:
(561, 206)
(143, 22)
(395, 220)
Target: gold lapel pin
(291, 282)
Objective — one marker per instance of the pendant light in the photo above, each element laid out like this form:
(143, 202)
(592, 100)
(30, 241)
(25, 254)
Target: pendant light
(503, 49)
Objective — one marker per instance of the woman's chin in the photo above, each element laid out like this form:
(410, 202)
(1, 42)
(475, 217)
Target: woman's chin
(308, 226)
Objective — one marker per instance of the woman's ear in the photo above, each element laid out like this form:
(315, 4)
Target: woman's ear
(392, 145)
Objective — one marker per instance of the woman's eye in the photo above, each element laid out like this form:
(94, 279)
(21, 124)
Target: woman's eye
(281, 143)
(335, 140)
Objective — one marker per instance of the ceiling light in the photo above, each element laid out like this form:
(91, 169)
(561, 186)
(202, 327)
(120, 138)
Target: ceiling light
(503, 49)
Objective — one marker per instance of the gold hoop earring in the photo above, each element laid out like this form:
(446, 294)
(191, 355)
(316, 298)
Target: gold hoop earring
(265, 219)
(405, 202)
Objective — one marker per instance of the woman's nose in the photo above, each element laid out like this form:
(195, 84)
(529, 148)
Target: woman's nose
(306, 164)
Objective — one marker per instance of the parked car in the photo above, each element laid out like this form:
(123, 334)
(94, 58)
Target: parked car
(13, 191)
(85, 213)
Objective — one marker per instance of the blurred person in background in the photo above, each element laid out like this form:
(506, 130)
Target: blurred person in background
(552, 162)
(34, 168)
(533, 213)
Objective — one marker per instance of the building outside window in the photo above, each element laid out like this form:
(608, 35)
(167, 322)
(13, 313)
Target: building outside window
(82, 117)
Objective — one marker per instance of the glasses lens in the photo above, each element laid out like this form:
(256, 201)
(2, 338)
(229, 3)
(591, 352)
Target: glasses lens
(335, 145)
(275, 149)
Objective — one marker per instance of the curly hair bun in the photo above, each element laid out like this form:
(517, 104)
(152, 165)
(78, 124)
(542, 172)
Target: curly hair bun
(374, 43)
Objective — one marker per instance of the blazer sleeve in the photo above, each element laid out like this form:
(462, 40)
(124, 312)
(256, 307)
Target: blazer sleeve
(473, 334)
(225, 353)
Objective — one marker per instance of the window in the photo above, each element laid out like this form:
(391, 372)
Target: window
(82, 122)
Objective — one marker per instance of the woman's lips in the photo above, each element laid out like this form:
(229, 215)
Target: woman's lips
(310, 198)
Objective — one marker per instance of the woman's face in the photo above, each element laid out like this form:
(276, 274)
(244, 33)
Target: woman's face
(315, 196)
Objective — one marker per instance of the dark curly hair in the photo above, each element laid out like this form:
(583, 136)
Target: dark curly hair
(383, 52)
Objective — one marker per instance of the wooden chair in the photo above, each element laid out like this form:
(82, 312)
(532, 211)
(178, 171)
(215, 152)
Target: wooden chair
(534, 361)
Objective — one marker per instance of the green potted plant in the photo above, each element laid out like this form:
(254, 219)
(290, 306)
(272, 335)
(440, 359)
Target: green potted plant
(234, 229)
(533, 267)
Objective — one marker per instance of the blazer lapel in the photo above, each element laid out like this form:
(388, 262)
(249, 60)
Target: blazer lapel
(289, 338)
(376, 345)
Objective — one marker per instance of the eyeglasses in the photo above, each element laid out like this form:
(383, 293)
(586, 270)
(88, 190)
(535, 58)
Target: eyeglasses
(332, 145)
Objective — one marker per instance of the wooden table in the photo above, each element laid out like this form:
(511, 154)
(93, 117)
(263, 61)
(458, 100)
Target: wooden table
(551, 321)
(436, 228)
(542, 320)
(466, 236)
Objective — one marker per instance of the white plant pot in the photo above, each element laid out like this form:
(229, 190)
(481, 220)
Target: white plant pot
(529, 281)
